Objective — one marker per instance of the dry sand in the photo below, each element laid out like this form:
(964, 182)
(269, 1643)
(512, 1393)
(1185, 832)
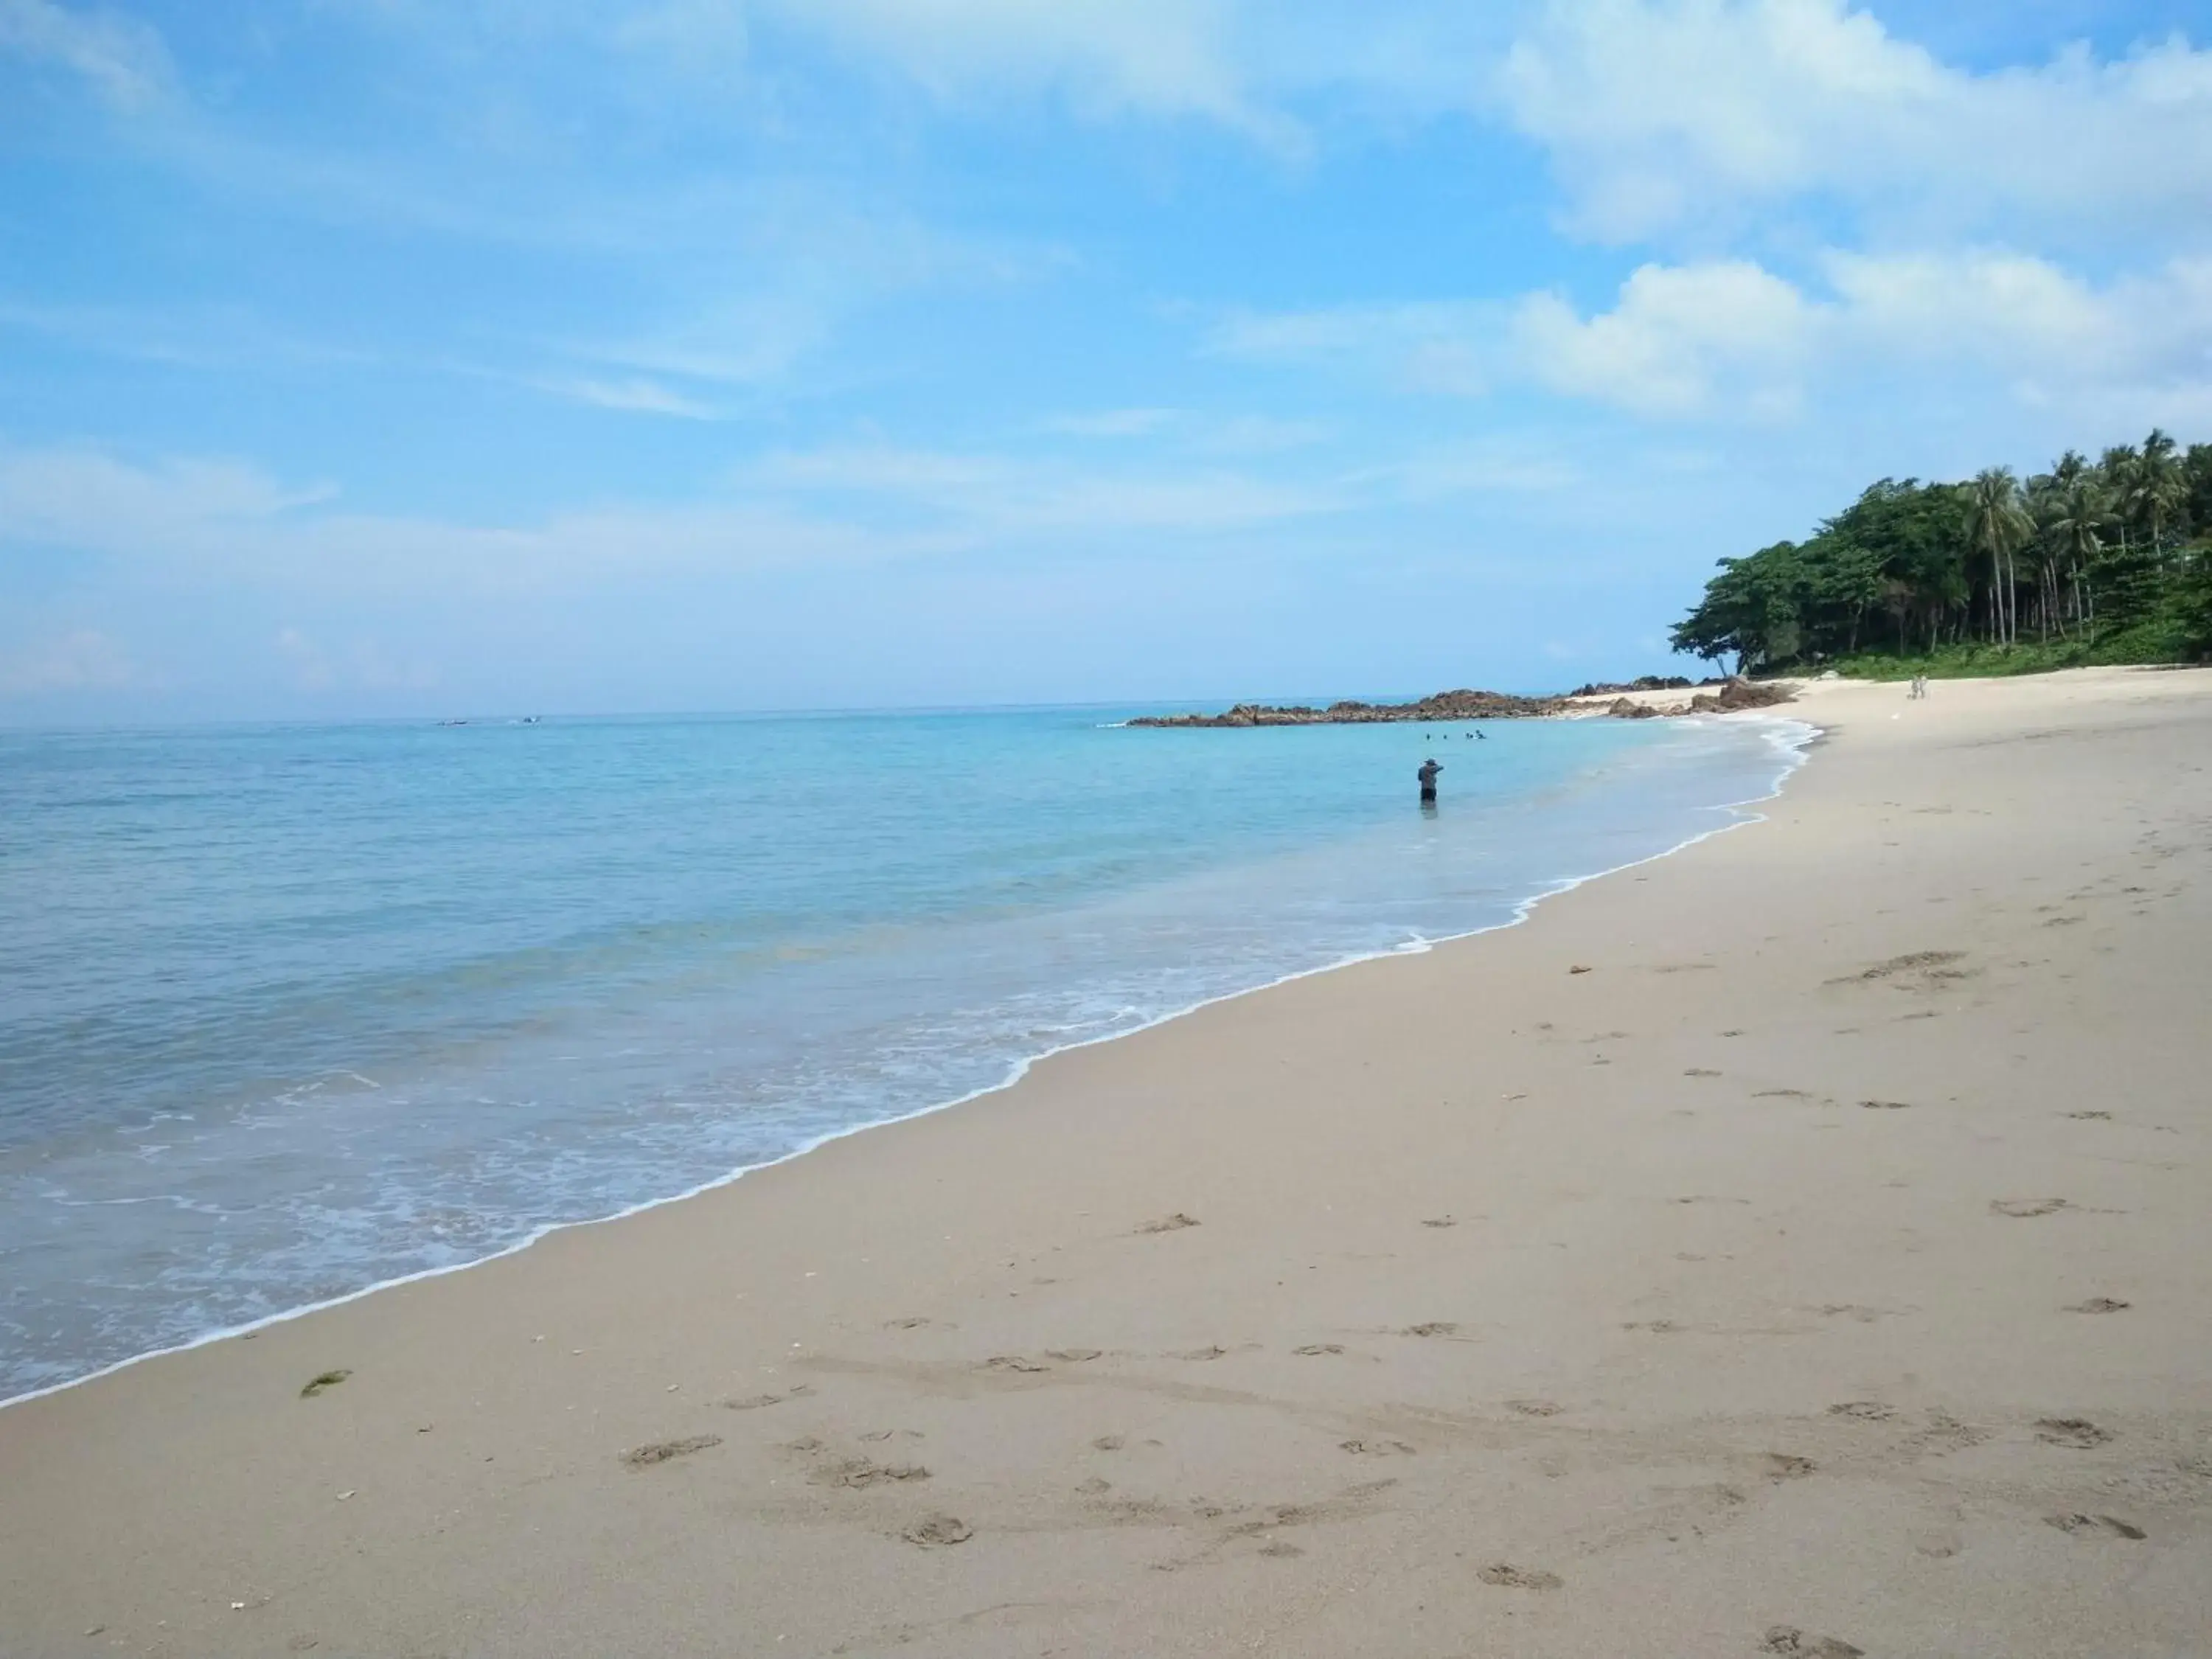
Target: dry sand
(1801, 1245)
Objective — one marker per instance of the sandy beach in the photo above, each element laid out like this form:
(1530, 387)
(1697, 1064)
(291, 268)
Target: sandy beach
(1800, 1244)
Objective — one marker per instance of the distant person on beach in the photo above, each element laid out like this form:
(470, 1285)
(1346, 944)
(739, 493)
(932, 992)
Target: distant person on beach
(1427, 774)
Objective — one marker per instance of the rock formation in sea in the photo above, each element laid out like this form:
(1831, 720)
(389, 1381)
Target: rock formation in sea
(1446, 706)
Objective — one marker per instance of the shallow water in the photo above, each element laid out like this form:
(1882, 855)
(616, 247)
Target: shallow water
(287, 1011)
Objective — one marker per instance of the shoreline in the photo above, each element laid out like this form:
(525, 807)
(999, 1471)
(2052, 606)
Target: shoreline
(1792, 749)
(1798, 1243)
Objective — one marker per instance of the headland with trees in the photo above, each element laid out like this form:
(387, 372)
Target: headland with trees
(2107, 560)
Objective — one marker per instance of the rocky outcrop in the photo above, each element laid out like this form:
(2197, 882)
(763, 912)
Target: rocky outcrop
(1647, 682)
(1733, 696)
(1739, 694)
(1442, 708)
(1446, 707)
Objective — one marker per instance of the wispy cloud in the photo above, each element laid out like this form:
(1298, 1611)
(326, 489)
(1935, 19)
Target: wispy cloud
(362, 666)
(84, 660)
(1114, 422)
(89, 499)
(634, 396)
(998, 495)
(1438, 346)
(122, 58)
(1202, 433)
(186, 337)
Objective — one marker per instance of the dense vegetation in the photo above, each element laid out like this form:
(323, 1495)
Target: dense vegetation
(2105, 561)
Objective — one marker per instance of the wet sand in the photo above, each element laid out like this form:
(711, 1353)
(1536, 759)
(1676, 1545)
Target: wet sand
(1799, 1245)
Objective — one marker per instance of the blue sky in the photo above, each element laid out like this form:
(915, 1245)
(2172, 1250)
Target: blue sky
(417, 356)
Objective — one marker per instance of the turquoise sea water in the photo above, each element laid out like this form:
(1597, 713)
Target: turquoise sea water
(287, 1011)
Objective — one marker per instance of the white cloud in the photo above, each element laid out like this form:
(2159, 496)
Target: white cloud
(2137, 347)
(121, 58)
(85, 661)
(1678, 336)
(1659, 113)
(1731, 338)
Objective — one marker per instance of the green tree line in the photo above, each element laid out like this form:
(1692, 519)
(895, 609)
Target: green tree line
(2108, 560)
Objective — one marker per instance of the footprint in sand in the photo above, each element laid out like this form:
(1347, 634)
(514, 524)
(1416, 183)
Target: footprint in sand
(1441, 1221)
(1314, 1349)
(1781, 1466)
(2024, 1208)
(1886, 1105)
(1375, 1448)
(1094, 1487)
(1931, 965)
(1073, 1356)
(1433, 1327)
(1173, 1223)
(913, 1324)
(1943, 1435)
(327, 1379)
(1508, 1576)
(1014, 1362)
(1535, 1407)
(1781, 1094)
(2076, 1431)
(1789, 1640)
(1201, 1355)
(2110, 1525)
(1864, 1411)
(861, 1473)
(2090, 1117)
(1850, 1310)
(754, 1402)
(660, 1451)
(937, 1530)
(1700, 1071)
(2099, 1304)
(1108, 1442)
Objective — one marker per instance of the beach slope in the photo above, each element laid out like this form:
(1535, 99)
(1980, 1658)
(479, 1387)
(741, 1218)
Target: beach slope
(1800, 1244)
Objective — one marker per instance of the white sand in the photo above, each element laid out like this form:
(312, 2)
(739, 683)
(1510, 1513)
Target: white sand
(1724, 1298)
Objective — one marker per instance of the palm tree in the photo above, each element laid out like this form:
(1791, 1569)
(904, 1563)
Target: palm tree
(2155, 484)
(1996, 524)
(2121, 473)
(2072, 515)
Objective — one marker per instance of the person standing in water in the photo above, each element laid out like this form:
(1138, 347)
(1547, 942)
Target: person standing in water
(1427, 774)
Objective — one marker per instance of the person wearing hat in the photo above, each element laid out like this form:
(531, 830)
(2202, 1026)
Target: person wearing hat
(1427, 774)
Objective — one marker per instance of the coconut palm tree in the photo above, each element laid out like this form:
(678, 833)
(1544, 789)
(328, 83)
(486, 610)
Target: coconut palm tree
(2156, 486)
(1996, 524)
(2073, 514)
(2120, 471)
